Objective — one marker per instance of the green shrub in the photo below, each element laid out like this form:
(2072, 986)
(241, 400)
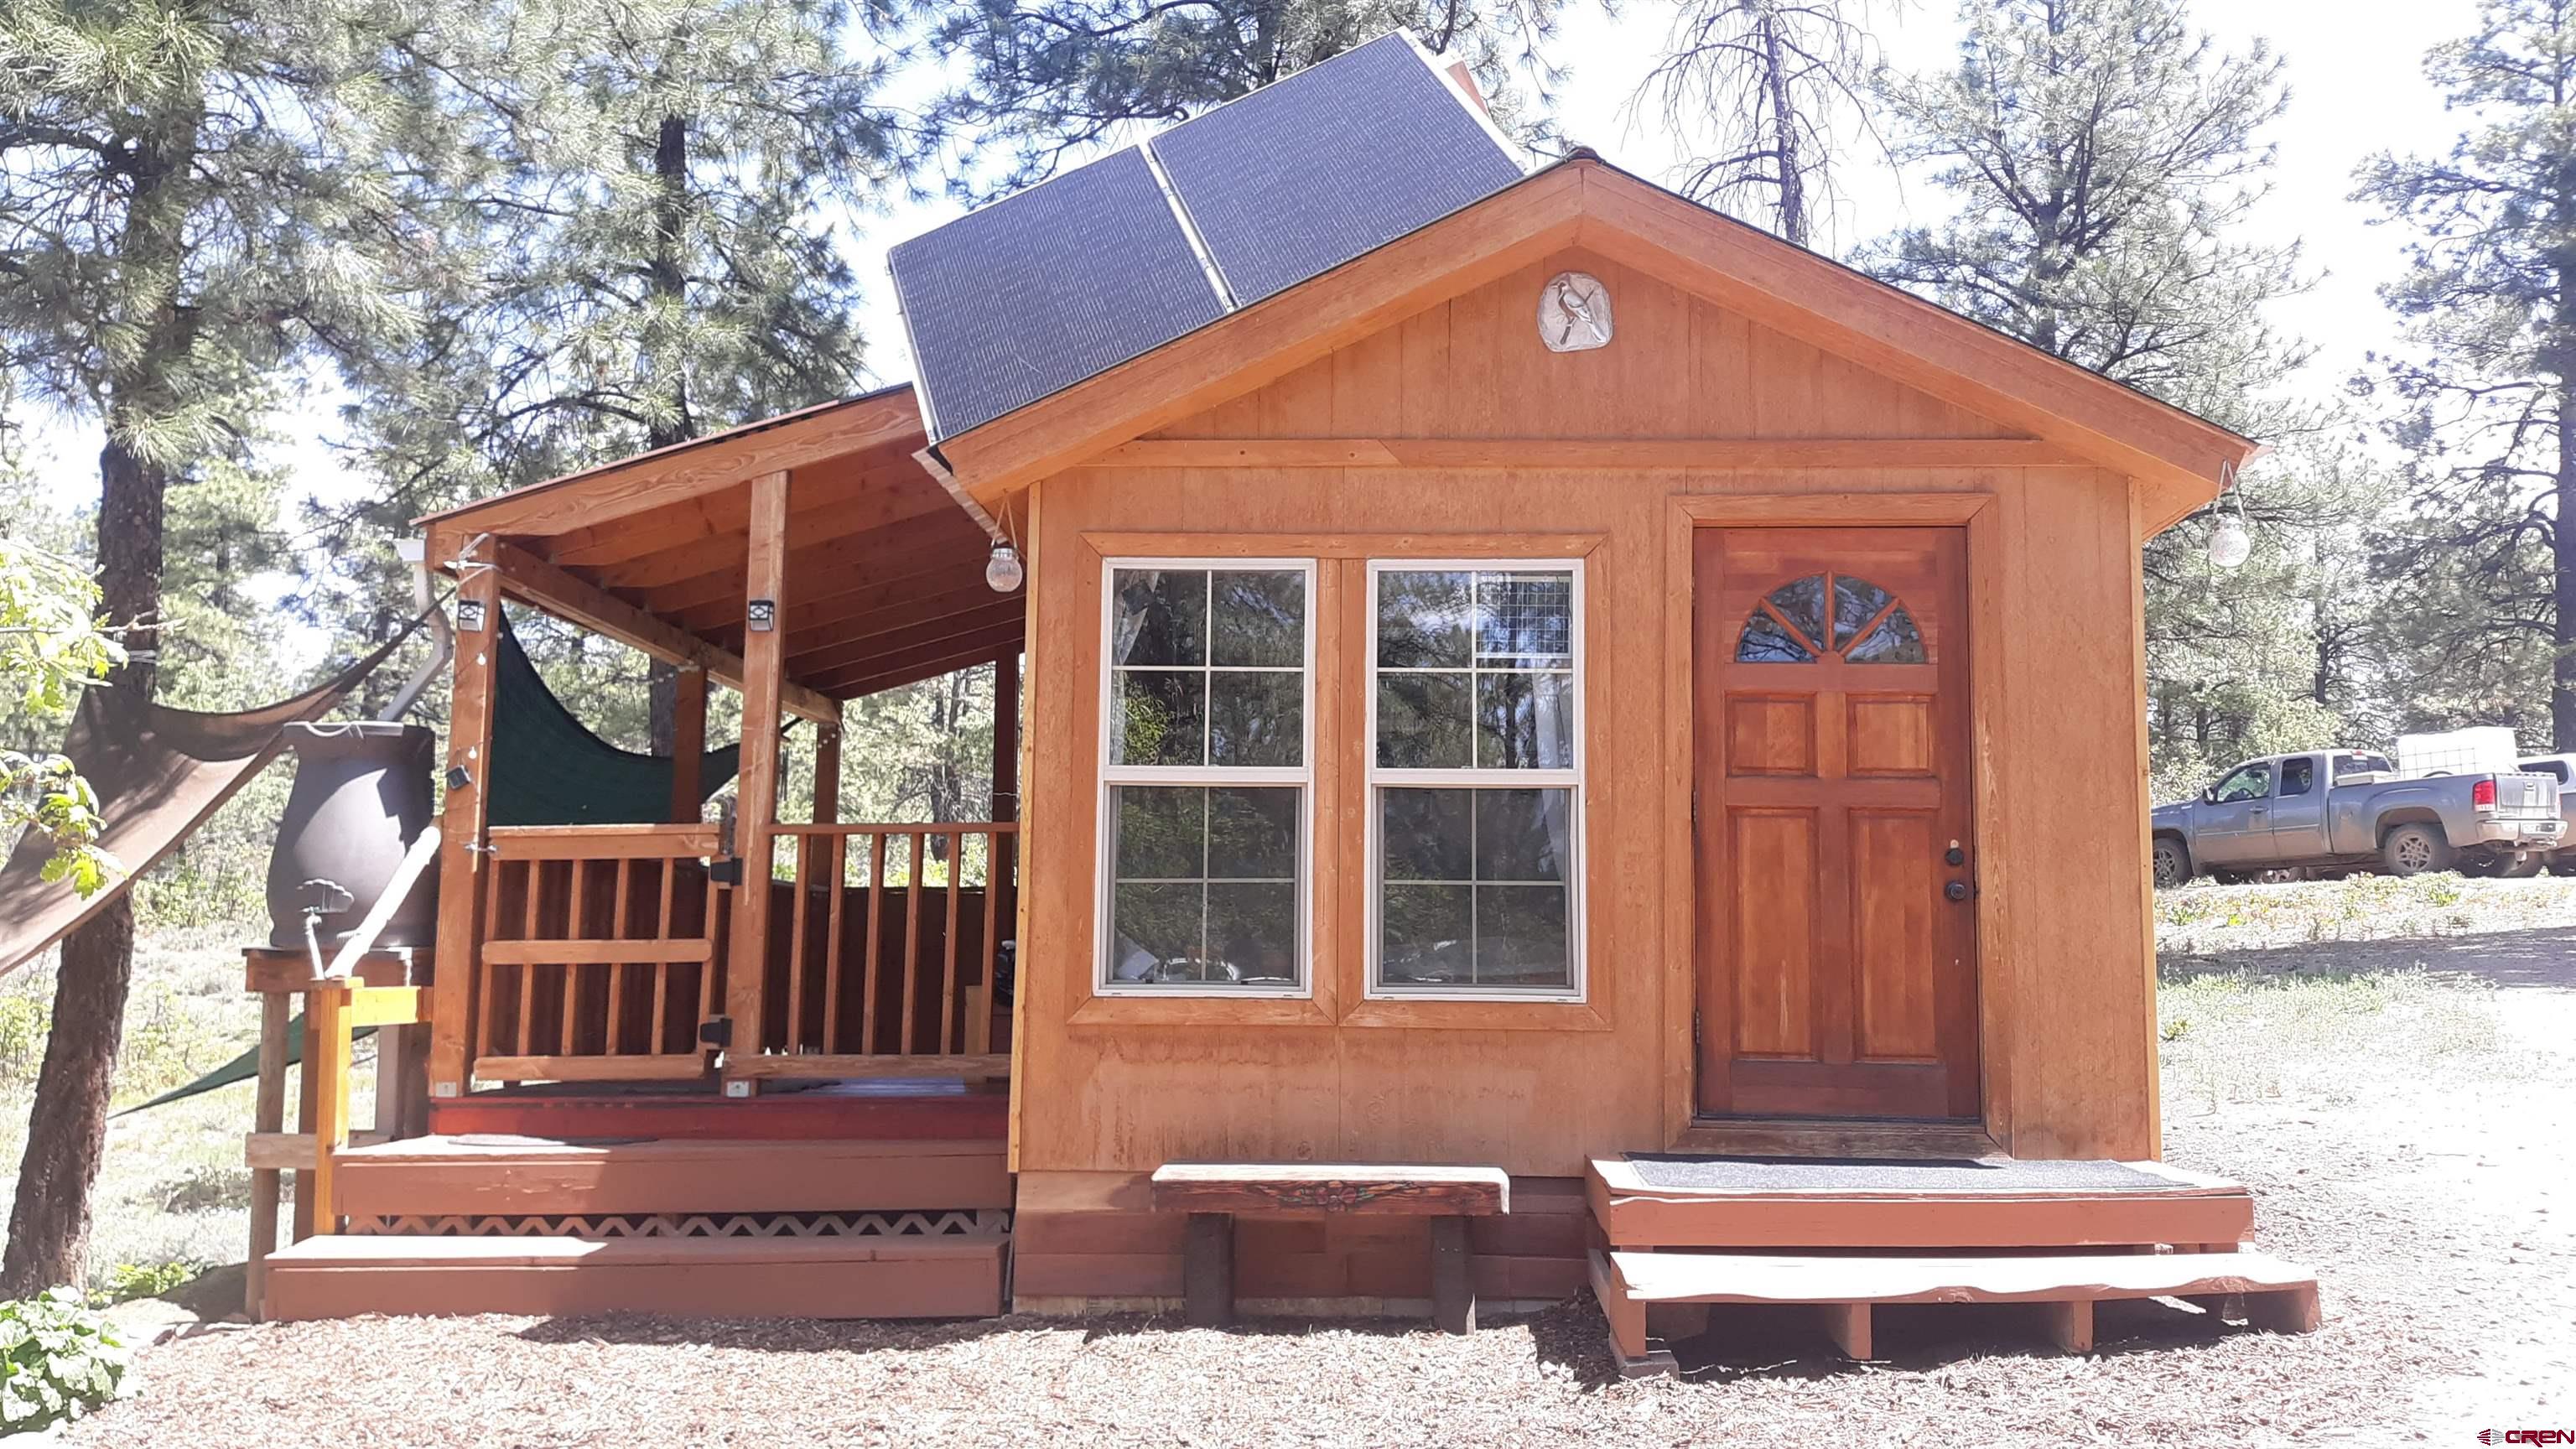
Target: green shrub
(129, 1281)
(63, 1360)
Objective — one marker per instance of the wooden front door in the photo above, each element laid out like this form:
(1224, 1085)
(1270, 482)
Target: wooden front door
(1835, 861)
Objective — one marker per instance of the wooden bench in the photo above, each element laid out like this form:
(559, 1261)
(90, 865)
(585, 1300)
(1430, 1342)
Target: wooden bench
(1213, 1192)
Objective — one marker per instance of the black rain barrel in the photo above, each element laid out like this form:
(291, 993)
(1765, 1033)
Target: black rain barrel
(361, 797)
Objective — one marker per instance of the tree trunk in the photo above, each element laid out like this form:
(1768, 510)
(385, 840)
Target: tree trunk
(667, 280)
(2562, 591)
(1794, 224)
(67, 1126)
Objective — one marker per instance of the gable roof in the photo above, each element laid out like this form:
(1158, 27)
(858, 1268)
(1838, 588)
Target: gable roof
(1584, 201)
(1018, 300)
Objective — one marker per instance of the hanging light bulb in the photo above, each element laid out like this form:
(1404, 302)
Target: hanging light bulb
(2229, 544)
(1002, 572)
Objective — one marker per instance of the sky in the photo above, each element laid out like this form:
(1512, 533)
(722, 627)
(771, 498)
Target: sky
(2356, 89)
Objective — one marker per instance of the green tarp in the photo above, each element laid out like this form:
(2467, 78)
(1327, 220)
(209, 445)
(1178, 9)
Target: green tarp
(242, 1068)
(549, 769)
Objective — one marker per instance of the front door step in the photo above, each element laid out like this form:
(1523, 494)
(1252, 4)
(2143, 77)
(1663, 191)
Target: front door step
(2062, 1289)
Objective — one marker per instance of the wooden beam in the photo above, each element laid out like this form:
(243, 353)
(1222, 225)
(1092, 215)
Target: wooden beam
(844, 589)
(880, 640)
(899, 676)
(702, 585)
(806, 1064)
(917, 614)
(974, 648)
(1588, 454)
(461, 858)
(688, 744)
(1006, 735)
(659, 479)
(852, 497)
(558, 593)
(756, 788)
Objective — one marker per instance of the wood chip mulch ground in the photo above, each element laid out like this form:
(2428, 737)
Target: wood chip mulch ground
(2437, 1214)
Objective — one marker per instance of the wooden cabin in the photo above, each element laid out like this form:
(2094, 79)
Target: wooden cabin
(1533, 754)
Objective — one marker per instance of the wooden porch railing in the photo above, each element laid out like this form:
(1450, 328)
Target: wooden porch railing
(606, 949)
(881, 956)
(602, 953)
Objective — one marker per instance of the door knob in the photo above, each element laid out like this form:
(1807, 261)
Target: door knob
(1956, 890)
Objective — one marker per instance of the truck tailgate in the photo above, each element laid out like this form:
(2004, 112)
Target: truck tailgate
(2526, 797)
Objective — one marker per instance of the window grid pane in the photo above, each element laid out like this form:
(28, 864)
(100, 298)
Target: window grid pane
(1514, 695)
(1203, 881)
(1475, 887)
(1474, 674)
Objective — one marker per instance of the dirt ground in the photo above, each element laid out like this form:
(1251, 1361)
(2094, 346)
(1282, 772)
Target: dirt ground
(2401, 1107)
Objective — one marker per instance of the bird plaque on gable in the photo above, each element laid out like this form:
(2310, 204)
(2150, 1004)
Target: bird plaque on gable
(1574, 313)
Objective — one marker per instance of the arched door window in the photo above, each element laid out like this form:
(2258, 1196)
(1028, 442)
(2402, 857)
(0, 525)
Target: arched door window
(1836, 616)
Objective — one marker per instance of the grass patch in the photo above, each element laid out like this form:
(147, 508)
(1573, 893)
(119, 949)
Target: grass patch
(2336, 1037)
(2363, 908)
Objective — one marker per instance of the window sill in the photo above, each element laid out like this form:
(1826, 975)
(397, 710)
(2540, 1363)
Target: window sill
(1201, 1011)
(1477, 1015)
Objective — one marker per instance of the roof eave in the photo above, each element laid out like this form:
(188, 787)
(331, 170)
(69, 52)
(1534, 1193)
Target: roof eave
(2176, 457)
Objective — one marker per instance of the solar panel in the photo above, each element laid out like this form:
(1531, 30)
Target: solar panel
(1073, 276)
(1339, 159)
(1044, 288)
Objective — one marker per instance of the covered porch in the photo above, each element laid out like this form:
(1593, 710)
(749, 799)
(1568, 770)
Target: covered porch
(637, 950)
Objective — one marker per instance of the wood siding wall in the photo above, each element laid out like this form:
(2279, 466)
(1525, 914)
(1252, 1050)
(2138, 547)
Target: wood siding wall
(1126, 1085)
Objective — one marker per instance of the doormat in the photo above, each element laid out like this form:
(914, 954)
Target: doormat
(1761, 1174)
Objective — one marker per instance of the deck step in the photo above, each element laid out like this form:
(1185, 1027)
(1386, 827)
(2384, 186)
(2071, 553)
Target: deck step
(1658, 1201)
(1842, 1288)
(343, 1276)
(501, 1176)
(881, 1111)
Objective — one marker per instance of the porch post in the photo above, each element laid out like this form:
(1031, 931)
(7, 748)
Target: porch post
(764, 677)
(1006, 736)
(820, 857)
(461, 857)
(688, 742)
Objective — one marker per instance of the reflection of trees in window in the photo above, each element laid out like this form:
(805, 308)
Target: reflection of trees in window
(1206, 676)
(1830, 616)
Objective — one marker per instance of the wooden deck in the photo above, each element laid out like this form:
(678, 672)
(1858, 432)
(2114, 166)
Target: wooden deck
(838, 1277)
(481, 1176)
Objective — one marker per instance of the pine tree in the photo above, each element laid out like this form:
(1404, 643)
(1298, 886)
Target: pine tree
(2103, 157)
(644, 242)
(191, 211)
(1047, 82)
(1761, 83)
(2485, 398)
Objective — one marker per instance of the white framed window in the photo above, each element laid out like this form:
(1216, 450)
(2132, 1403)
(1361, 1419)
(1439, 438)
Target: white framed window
(1475, 781)
(1207, 776)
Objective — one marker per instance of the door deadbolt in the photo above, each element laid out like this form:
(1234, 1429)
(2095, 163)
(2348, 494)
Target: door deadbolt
(1954, 856)
(1956, 890)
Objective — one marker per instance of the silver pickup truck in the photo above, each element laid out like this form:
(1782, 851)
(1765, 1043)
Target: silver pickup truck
(2348, 809)
(2561, 768)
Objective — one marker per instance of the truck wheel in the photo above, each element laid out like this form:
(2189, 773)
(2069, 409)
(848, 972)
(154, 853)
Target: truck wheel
(2530, 865)
(2563, 864)
(2414, 850)
(2173, 863)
